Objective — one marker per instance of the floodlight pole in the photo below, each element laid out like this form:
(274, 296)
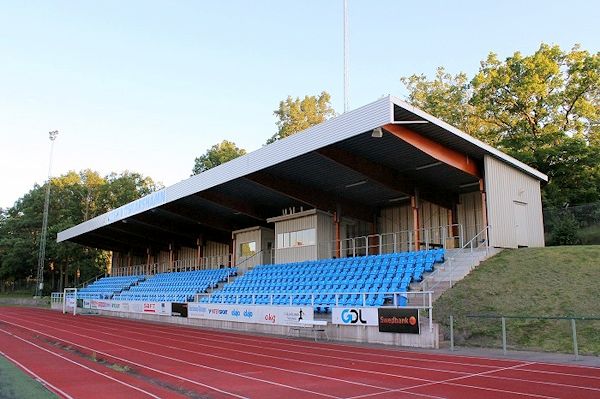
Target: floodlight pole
(39, 287)
(346, 55)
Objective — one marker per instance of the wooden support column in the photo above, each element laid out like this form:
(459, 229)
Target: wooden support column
(484, 218)
(373, 243)
(148, 252)
(199, 244)
(170, 257)
(414, 203)
(336, 223)
(231, 253)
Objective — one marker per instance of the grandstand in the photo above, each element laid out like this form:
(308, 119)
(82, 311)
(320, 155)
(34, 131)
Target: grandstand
(107, 287)
(176, 287)
(361, 281)
(343, 217)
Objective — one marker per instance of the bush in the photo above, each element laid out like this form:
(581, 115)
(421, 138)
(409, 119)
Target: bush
(566, 231)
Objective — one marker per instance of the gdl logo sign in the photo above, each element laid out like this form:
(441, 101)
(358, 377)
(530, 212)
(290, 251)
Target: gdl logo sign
(353, 316)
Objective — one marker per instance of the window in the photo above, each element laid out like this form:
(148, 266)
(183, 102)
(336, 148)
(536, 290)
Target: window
(248, 248)
(299, 238)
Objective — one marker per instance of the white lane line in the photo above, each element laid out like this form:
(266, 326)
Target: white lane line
(166, 357)
(112, 327)
(80, 365)
(450, 381)
(42, 381)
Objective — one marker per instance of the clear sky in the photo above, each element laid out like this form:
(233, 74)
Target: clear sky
(147, 85)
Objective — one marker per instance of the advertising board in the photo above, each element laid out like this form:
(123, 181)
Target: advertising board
(357, 316)
(277, 315)
(399, 320)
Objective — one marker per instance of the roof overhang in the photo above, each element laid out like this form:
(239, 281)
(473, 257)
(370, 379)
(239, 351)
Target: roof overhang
(336, 166)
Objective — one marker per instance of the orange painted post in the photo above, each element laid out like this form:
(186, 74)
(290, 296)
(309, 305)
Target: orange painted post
(416, 221)
(483, 206)
(336, 221)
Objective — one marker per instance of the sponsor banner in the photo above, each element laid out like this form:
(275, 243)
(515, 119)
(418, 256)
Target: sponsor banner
(100, 304)
(162, 308)
(354, 316)
(179, 309)
(70, 302)
(399, 320)
(277, 315)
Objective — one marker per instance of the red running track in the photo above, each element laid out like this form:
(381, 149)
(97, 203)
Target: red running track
(101, 357)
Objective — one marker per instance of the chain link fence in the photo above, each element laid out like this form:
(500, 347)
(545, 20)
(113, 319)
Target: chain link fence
(575, 225)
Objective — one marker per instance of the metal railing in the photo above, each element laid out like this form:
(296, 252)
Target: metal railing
(504, 334)
(445, 275)
(448, 236)
(247, 263)
(207, 262)
(412, 299)
(376, 244)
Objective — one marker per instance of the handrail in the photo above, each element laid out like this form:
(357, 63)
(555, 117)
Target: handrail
(468, 245)
(246, 259)
(95, 278)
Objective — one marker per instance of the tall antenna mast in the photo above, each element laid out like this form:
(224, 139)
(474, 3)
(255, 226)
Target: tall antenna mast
(346, 55)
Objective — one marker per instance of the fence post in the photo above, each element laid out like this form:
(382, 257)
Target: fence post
(504, 335)
(452, 333)
(575, 347)
(429, 294)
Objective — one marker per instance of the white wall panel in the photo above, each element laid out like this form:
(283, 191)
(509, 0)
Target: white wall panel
(508, 188)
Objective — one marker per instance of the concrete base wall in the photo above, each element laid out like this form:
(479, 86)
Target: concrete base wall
(341, 333)
(40, 302)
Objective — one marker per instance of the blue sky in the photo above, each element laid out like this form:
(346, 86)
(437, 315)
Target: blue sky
(147, 86)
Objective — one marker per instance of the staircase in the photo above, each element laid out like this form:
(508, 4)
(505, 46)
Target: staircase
(458, 263)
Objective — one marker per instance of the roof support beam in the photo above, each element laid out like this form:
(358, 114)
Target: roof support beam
(446, 155)
(237, 205)
(193, 218)
(186, 236)
(312, 197)
(385, 176)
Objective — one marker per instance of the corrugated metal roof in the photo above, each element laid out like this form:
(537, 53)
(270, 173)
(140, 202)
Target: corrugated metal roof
(450, 136)
(331, 131)
(294, 159)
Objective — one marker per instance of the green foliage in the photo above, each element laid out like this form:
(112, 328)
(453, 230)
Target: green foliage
(217, 155)
(553, 281)
(566, 231)
(543, 109)
(295, 115)
(74, 198)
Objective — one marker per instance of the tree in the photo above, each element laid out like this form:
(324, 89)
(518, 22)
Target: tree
(295, 115)
(216, 155)
(543, 109)
(75, 198)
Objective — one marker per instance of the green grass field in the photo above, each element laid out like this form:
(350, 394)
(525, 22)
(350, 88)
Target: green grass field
(553, 281)
(15, 384)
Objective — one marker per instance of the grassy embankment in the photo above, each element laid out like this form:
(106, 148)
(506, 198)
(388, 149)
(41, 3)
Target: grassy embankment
(553, 281)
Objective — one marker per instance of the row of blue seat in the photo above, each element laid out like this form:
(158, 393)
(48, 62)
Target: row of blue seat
(318, 282)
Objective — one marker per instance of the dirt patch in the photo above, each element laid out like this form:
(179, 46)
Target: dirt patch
(123, 368)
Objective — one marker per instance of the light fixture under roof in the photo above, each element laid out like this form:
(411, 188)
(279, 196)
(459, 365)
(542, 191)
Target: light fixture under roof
(429, 165)
(358, 183)
(377, 133)
(476, 183)
(397, 199)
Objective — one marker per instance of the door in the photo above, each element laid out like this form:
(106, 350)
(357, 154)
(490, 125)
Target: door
(520, 211)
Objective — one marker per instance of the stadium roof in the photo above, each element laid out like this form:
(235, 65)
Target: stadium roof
(339, 165)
